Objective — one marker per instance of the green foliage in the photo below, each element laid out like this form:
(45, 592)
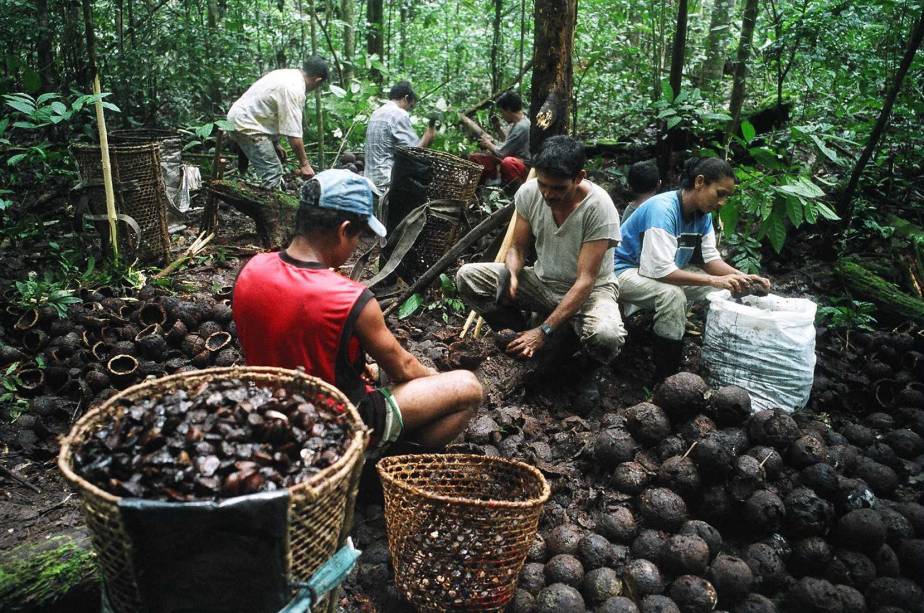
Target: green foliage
(38, 291)
(446, 305)
(846, 314)
(9, 386)
(688, 110)
(745, 253)
(776, 192)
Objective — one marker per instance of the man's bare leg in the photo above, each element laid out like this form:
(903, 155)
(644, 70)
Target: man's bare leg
(436, 409)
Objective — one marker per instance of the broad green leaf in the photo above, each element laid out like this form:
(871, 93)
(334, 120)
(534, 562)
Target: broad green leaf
(717, 116)
(810, 212)
(748, 131)
(803, 188)
(667, 113)
(27, 125)
(827, 212)
(59, 107)
(765, 156)
(16, 159)
(225, 125)
(776, 232)
(410, 306)
(829, 153)
(337, 91)
(667, 91)
(729, 215)
(446, 284)
(111, 107)
(794, 211)
(672, 122)
(46, 97)
(204, 130)
(21, 105)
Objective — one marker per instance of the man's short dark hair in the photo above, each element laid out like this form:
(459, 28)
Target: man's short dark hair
(402, 89)
(560, 156)
(312, 220)
(316, 66)
(510, 101)
(644, 177)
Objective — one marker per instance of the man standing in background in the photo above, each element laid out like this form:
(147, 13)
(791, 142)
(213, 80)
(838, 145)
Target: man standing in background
(270, 108)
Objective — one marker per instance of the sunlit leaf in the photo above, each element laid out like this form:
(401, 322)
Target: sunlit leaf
(829, 153)
(747, 131)
(410, 306)
(672, 122)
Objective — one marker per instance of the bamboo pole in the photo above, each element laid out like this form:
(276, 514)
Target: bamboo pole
(107, 169)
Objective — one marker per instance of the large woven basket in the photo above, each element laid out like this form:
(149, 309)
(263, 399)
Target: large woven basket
(320, 509)
(139, 191)
(446, 177)
(459, 527)
(170, 144)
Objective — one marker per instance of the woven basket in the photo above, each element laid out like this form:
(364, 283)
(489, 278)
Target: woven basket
(320, 509)
(139, 191)
(447, 177)
(170, 144)
(459, 527)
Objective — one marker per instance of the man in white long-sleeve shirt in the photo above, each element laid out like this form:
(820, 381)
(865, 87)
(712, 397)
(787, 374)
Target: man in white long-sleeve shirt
(390, 127)
(668, 255)
(272, 107)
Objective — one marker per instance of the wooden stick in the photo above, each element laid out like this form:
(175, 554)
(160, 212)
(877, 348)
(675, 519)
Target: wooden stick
(107, 169)
(487, 225)
(6, 472)
(194, 249)
(761, 465)
(689, 450)
(501, 256)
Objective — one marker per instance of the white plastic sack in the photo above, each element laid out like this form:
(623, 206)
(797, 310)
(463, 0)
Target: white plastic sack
(191, 181)
(766, 346)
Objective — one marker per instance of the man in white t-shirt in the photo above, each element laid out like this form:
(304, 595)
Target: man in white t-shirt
(574, 227)
(272, 107)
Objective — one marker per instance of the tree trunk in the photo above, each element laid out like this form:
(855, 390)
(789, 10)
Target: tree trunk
(91, 38)
(45, 58)
(374, 30)
(741, 66)
(845, 204)
(886, 295)
(678, 52)
(552, 71)
(319, 113)
(402, 33)
(714, 64)
(496, 69)
(348, 17)
(214, 87)
(522, 41)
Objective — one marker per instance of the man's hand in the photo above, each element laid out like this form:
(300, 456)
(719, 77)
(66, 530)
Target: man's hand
(735, 283)
(763, 282)
(527, 344)
(306, 171)
(280, 153)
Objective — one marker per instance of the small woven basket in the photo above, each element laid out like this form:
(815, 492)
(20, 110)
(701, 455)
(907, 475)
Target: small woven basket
(459, 527)
(320, 509)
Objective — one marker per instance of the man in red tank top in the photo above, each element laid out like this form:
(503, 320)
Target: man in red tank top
(292, 309)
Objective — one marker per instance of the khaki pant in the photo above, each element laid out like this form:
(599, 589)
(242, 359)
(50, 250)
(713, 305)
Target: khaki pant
(261, 152)
(597, 324)
(669, 302)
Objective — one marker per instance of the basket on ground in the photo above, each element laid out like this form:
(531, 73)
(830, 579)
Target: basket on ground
(139, 190)
(319, 513)
(459, 527)
(420, 175)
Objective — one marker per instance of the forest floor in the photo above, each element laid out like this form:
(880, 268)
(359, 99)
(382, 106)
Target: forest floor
(529, 421)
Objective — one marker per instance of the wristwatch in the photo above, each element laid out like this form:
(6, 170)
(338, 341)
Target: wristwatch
(546, 329)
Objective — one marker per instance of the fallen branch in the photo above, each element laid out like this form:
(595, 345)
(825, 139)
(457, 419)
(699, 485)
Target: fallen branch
(198, 245)
(887, 296)
(6, 472)
(492, 222)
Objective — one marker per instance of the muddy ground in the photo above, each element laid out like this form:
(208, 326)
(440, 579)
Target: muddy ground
(535, 420)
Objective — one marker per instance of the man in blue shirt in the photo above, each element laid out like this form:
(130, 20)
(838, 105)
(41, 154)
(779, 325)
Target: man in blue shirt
(668, 255)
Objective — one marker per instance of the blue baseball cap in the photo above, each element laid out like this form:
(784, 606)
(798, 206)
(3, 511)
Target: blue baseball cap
(347, 191)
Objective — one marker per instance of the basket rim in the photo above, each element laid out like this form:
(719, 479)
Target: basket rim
(441, 154)
(383, 464)
(309, 486)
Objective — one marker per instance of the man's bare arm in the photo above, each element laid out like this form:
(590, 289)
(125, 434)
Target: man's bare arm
(378, 341)
(298, 146)
(516, 253)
